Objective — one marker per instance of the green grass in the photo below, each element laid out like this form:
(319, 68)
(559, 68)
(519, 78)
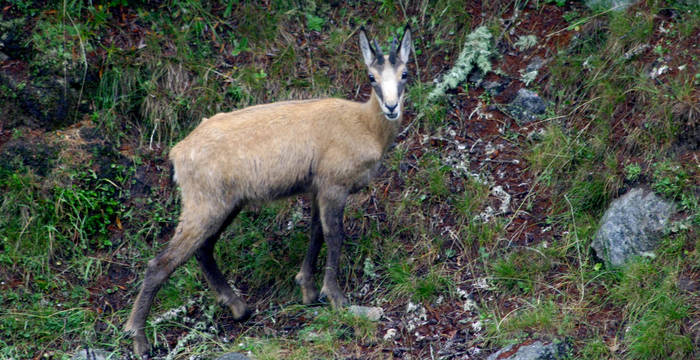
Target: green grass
(655, 310)
(405, 282)
(536, 318)
(521, 270)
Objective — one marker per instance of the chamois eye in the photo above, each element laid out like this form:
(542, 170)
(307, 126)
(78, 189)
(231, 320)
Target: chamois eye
(372, 79)
(404, 75)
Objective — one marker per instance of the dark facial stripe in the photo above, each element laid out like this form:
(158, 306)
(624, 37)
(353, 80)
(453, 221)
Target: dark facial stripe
(378, 90)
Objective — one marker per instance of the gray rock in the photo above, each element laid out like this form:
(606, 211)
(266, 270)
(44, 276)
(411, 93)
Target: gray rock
(371, 313)
(535, 64)
(631, 226)
(526, 107)
(476, 77)
(687, 284)
(538, 350)
(233, 356)
(616, 5)
(93, 354)
(495, 87)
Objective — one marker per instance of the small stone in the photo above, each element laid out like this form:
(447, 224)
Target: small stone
(537, 350)
(309, 336)
(688, 284)
(658, 71)
(469, 305)
(527, 106)
(615, 5)
(477, 326)
(536, 135)
(639, 49)
(535, 64)
(390, 334)
(503, 196)
(233, 356)
(372, 313)
(91, 354)
(476, 77)
(494, 87)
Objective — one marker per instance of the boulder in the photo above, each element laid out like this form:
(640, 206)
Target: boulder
(632, 226)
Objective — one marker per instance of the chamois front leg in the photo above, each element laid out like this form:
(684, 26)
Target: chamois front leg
(331, 205)
(305, 277)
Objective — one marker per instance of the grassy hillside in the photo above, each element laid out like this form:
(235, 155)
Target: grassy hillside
(474, 235)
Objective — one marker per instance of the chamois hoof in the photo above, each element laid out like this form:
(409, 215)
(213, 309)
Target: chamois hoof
(243, 317)
(309, 296)
(337, 298)
(309, 292)
(141, 347)
(240, 313)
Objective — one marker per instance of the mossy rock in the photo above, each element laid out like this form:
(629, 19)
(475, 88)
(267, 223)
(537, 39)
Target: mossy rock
(28, 154)
(14, 38)
(43, 102)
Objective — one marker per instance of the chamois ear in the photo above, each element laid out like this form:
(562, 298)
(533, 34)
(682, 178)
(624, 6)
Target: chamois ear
(367, 52)
(405, 45)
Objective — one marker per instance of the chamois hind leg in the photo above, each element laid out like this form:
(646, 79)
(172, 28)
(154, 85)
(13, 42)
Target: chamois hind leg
(217, 281)
(331, 206)
(305, 277)
(194, 228)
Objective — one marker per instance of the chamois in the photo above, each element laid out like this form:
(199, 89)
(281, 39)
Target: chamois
(327, 147)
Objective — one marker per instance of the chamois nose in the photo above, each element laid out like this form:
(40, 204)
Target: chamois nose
(391, 107)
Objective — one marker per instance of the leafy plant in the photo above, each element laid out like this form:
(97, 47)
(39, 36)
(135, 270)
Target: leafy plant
(632, 171)
(556, 2)
(314, 23)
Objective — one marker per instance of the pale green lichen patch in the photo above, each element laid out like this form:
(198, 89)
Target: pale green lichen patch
(475, 54)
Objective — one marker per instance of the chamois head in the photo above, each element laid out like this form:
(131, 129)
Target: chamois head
(388, 73)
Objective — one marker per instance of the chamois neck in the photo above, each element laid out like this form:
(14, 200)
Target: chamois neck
(384, 129)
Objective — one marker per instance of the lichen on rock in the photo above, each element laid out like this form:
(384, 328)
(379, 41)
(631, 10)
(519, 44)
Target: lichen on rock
(475, 54)
(632, 226)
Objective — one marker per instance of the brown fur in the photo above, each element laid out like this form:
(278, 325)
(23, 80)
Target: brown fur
(328, 147)
(262, 153)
